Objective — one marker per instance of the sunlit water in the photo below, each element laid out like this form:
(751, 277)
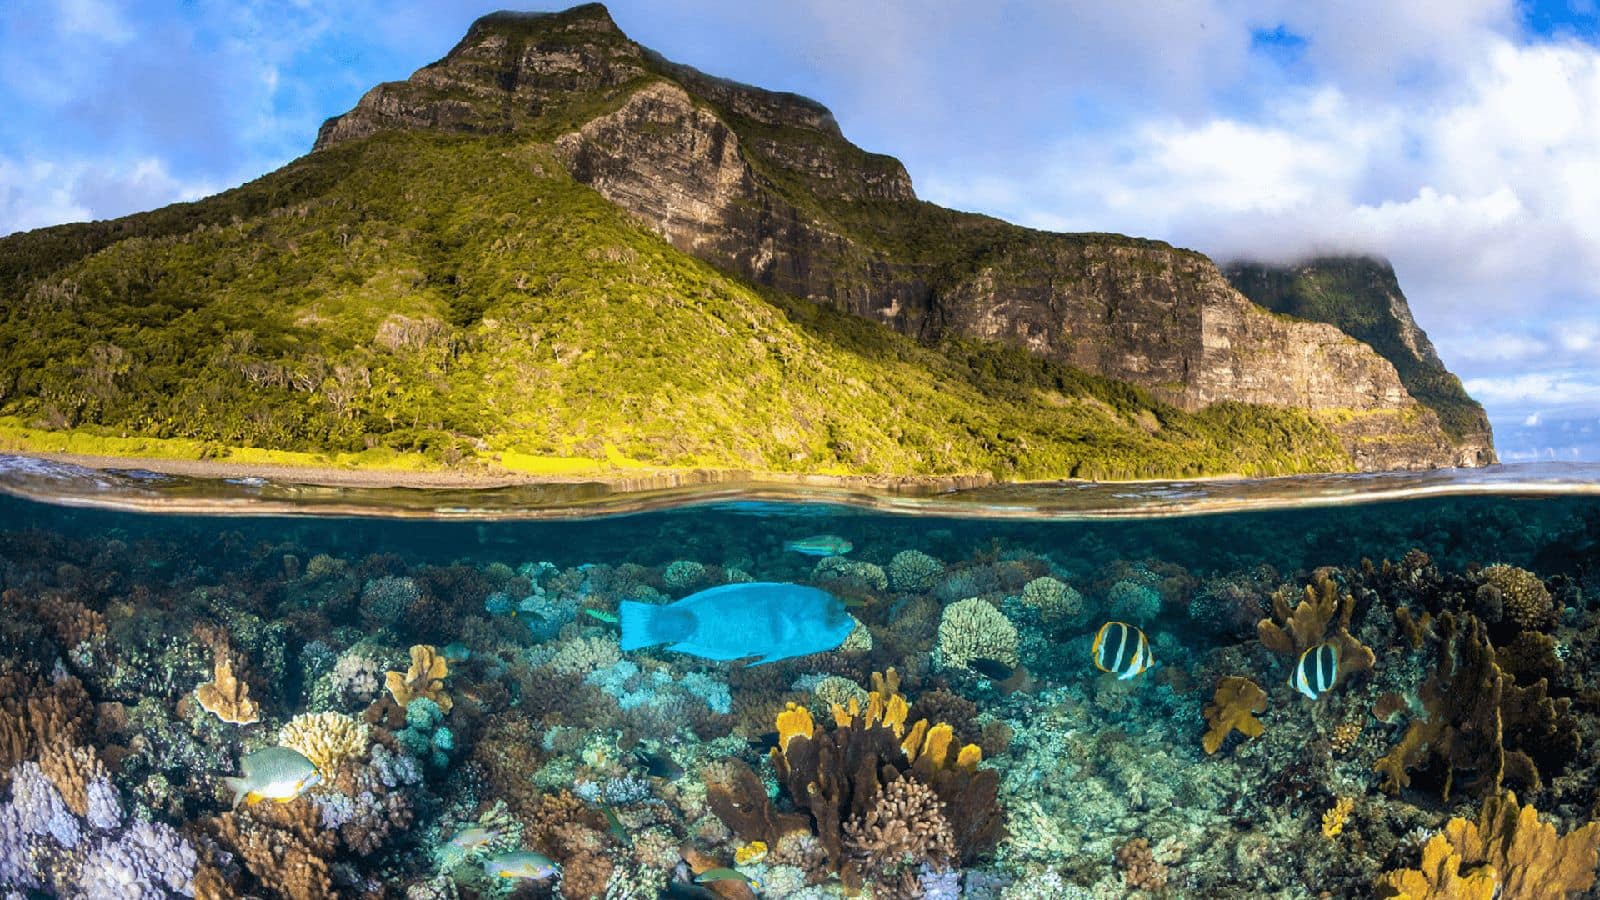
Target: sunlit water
(611, 764)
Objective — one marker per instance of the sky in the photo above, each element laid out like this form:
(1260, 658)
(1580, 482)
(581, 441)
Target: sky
(1460, 138)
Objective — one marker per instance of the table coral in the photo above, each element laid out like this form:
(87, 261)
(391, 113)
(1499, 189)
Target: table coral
(974, 629)
(226, 697)
(425, 678)
(326, 738)
(1232, 709)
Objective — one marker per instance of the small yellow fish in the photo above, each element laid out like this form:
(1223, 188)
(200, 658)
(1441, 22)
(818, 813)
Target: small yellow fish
(273, 773)
(523, 864)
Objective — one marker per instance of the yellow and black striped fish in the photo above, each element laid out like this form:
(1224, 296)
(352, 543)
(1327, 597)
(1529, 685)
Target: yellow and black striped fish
(1317, 670)
(1121, 649)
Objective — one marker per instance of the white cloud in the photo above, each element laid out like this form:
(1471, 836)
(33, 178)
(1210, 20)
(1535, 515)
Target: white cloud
(1538, 388)
(36, 193)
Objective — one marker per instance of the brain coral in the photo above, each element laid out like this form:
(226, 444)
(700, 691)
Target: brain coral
(1055, 600)
(326, 738)
(1522, 595)
(974, 629)
(912, 571)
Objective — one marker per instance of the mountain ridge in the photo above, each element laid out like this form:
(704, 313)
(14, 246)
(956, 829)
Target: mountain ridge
(318, 308)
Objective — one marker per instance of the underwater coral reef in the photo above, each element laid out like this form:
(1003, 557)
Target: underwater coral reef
(1393, 701)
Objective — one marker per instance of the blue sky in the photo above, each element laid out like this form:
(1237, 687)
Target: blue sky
(1461, 139)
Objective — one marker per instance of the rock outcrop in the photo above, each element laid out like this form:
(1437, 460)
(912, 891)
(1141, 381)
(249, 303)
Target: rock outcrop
(764, 185)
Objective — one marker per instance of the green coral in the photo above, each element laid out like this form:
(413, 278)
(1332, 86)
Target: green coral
(912, 571)
(974, 629)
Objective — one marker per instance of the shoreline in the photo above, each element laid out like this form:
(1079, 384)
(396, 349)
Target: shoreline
(483, 477)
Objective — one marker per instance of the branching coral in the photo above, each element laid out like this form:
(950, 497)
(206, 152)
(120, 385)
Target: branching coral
(1508, 852)
(1054, 600)
(1140, 870)
(1292, 631)
(1520, 594)
(326, 739)
(903, 829)
(973, 629)
(226, 697)
(1333, 820)
(912, 571)
(1232, 709)
(35, 714)
(836, 774)
(1476, 720)
(282, 845)
(425, 678)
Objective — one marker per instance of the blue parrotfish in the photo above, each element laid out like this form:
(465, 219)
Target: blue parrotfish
(820, 545)
(759, 621)
(1317, 670)
(521, 864)
(1121, 649)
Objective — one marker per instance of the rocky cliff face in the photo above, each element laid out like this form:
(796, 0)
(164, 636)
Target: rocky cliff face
(764, 185)
(1361, 296)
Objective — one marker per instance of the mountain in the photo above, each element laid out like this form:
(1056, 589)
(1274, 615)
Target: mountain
(1361, 296)
(555, 250)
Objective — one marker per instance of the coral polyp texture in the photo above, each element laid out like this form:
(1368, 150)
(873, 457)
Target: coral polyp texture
(968, 747)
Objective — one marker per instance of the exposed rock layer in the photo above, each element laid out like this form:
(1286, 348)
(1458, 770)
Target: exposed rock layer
(763, 184)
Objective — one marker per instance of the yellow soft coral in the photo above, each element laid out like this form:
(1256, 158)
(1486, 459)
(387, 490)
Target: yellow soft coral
(794, 721)
(425, 678)
(326, 738)
(750, 854)
(1333, 820)
(1232, 708)
(1507, 850)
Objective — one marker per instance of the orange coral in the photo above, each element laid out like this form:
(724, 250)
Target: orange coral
(225, 696)
(35, 714)
(425, 678)
(1308, 624)
(1231, 709)
(1507, 850)
(282, 845)
(71, 769)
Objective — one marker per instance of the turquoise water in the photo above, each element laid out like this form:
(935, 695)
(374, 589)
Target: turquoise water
(631, 772)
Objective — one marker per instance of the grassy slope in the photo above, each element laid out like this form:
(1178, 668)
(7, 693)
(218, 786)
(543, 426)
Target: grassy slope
(461, 296)
(1351, 293)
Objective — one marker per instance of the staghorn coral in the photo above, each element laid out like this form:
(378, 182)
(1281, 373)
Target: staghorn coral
(902, 830)
(974, 629)
(226, 697)
(1344, 736)
(1231, 709)
(1520, 594)
(1508, 852)
(327, 738)
(425, 678)
(585, 654)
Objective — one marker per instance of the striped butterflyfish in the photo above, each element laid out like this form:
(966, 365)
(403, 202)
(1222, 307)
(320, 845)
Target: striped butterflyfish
(1316, 671)
(1121, 649)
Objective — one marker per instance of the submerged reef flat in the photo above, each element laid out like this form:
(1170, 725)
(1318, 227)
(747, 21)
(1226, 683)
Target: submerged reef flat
(1392, 700)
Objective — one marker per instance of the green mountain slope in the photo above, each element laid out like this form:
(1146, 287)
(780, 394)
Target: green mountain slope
(463, 297)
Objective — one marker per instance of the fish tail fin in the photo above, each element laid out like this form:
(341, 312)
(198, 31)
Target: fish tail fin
(788, 546)
(638, 624)
(237, 785)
